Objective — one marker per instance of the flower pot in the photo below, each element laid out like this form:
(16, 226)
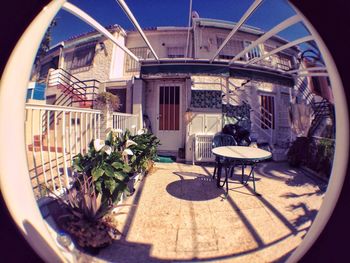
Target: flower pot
(89, 236)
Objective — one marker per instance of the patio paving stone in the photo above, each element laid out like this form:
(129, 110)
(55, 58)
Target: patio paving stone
(181, 216)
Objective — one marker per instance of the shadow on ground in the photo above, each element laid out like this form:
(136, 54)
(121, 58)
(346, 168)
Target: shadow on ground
(199, 188)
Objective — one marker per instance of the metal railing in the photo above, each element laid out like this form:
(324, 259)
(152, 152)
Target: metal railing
(261, 117)
(125, 121)
(68, 132)
(50, 152)
(73, 89)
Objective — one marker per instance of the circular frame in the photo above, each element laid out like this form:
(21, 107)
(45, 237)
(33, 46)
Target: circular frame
(14, 178)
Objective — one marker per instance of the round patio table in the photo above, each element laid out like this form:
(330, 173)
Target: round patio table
(244, 154)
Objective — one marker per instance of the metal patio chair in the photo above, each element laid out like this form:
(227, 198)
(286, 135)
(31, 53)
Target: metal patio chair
(222, 140)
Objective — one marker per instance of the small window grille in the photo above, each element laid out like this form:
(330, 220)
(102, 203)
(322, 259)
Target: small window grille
(176, 52)
(232, 48)
(83, 55)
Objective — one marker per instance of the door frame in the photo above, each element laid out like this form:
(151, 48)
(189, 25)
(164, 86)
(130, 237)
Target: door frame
(181, 87)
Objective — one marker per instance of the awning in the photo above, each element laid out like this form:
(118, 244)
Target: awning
(199, 68)
(208, 83)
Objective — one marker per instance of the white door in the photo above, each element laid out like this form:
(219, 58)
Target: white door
(169, 117)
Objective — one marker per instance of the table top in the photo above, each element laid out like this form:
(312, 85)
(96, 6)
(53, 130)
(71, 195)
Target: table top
(242, 153)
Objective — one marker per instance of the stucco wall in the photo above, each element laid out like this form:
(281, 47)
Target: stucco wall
(206, 41)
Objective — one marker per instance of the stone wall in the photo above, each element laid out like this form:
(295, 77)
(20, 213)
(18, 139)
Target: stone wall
(100, 67)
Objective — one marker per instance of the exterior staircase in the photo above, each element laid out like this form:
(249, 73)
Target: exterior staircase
(73, 91)
(259, 117)
(323, 110)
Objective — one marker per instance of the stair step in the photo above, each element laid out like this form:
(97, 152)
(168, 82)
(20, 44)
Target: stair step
(45, 148)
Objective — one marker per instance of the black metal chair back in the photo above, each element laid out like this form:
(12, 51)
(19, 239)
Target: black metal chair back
(223, 140)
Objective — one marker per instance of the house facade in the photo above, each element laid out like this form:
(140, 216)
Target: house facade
(183, 98)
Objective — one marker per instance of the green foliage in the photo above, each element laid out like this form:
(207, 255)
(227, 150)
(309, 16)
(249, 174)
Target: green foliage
(324, 155)
(108, 172)
(145, 151)
(110, 163)
(84, 202)
(298, 152)
(45, 42)
(316, 154)
(103, 174)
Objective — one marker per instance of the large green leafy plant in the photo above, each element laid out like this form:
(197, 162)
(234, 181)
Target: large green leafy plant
(102, 176)
(111, 162)
(145, 151)
(106, 162)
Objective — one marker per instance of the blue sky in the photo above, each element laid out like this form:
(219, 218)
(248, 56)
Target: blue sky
(175, 13)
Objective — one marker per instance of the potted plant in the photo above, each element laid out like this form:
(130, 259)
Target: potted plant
(83, 217)
(101, 179)
(145, 151)
(298, 152)
(144, 147)
(107, 101)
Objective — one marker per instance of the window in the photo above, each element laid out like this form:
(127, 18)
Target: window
(267, 111)
(169, 108)
(176, 52)
(51, 99)
(132, 65)
(282, 61)
(253, 53)
(232, 48)
(83, 55)
(206, 99)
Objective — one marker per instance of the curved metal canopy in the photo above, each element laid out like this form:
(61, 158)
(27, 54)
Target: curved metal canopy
(247, 67)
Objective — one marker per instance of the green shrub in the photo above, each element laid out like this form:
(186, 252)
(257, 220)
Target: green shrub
(110, 162)
(298, 152)
(316, 154)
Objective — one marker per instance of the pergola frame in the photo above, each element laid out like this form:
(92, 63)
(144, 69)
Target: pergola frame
(307, 69)
(281, 26)
(281, 48)
(313, 74)
(92, 22)
(133, 20)
(246, 15)
(26, 213)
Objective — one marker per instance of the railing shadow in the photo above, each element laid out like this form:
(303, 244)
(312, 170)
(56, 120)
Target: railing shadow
(291, 176)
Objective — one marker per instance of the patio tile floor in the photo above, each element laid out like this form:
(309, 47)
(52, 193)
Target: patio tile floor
(181, 216)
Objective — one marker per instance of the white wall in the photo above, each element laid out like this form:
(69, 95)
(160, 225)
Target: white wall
(118, 58)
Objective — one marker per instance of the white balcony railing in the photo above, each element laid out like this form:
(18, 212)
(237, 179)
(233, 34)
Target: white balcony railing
(125, 121)
(55, 134)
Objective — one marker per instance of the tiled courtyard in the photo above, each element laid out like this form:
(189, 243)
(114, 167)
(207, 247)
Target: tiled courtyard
(180, 216)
